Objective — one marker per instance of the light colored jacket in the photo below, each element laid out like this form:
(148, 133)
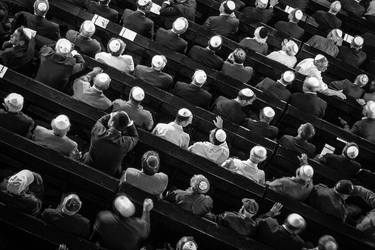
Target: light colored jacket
(245, 168)
(215, 153)
(173, 133)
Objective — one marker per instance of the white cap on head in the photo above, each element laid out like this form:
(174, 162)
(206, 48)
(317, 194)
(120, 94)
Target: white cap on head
(230, 5)
(143, 3)
(184, 112)
(220, 135)
(247, 92)
(337, 32)
(137, 94)
(199, 77)
(268, 112)
(259, 153)
(14, 102)
(363, 79)
(215, 41)
(264, 2)
(63, 46)
(298, 14)
(124, 206)
(335, 6)
(288, 76)
(358, 41)
(88, 27)
(20, 181)
(352, 152)
(42, 6)
(296, 221)
(370, 109)
(102, 81)
(311, 84)
(114, 45)
(159, 62)
(29, 33)
(61, 122)
(305, 172)
(180, 25)
(292, 47)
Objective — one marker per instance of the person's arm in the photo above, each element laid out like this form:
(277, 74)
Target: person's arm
(132, 136)
(80, 63)
(147, 207)
(355, 128)
(150, 122)
(365, 194)
(207, 23)
(273, 212)
(101, 125)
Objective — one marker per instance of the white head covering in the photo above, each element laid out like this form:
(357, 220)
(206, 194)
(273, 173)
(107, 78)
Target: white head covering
(261, 3)
(124, 206)
(352, 152)
(143, 3)
(358, 42)
(87, 28)
(229, 5)
(258, 154)
(370, 109)
(14, 102)
(335, 7)
(20, 181)
(311, 84)
(29, 33)
(305, 172)
(220, 135)
(61, 123)
(115, 45)
(137, 94)
(215, 41)
(296, 221)
(63, 46)
(199, 77)
(41, 7)
(268, 112)
(158, 62)
(247, 92)
(291, 48)
(180, 25)
(298, 14)
(102, 81)
(361, 80)
(288, 76)
(184, 112)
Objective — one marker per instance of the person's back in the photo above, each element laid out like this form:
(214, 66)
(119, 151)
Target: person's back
(275, 89)
(326, 21)
(102, 10)
(173, 133)
(348, 88)
(155, 78)
(251, 44)
(122, 63)
(289, 28)
(198, 204)
(170, 41)
(262, 128)
(84, 45)
(16, 122)
(365, 128)
(138, 22)
(299, 146)
(353, 7)
(229, 109)
(351, 56)
(254, 15)
(323, 44)
(237, 71)
(309, 103)
(193, 94)
(292, 187)
(224, 25)
(141, 117)
(346, 167)
(206, 57)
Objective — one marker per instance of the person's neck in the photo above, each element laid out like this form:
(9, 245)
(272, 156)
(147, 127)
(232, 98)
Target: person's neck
(332, 13)
(299, 138)
(94, 87)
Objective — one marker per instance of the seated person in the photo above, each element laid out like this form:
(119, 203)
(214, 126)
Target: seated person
(142, 118)
(115, 58)
(299, 143)
(249, 168)
(148, 179)
(137, 20)
(328, 20)
(234, 66)
(154, 75)
(353, 7)
(258, 43)
(278, 89)
(83, 40)
(329, 45)
(351, 89)
(226, 24)
(326, 242)
(262, 126)
(353, 55)
(300, 4)
(216, 149)
(194, 198)
(291, 28)
(12, 117)
(15, 193)
(102, 8)
(171, 40)
(173, 131)
(297, 187)
(259, 13)
(193, 92)
(93, 95)
(186, 243)
(231, 109)
(287, 54)
(308, 101)
(56, 138)
(121, 229)
(66, 217)
(170, 10)
(207, 56)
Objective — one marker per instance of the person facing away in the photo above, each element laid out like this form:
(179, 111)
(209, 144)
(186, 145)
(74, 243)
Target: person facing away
(355, 89)
(173, 131)
(66, 217)
(263, 126)
(234, 66)
(328, 20)
(326, 242)
(278, 89)
(330, 44)
(353, 55)
(287, 54)
(137, 20)
(172, 9)
(291, 27)
(171, 40)
(102, 8)
(258, 43)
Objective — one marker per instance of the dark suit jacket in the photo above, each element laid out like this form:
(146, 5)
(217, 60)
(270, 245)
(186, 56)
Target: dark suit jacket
(297, 4)
(272, 88)
(262, 128)
(84, 45)
(291, 143)
(171, 12)
(348, 88)
(326, 21)
(222, 25)
(170, 40)
(41, 25)
(102, 10)
(353, 8)
(155, 78)
(206, 57)
(351, 56)
(18, 123)
(229, 109)
(138, 22)
(365, 128)
(193, 94)
(250, 44)
(237, 71)
(309, 103)
(342, 164)
(257, 15)
(292, 29)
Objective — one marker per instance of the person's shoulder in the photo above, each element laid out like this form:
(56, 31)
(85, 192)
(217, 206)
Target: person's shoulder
(161, 176)
(132, 171)
(105, 216)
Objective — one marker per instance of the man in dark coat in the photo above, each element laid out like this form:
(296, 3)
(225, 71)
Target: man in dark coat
(102, 8)
(234, 66)
(262, 127)
(207, 56)
(277, 89)
(299, 143)
(291, 28)
(170, 39)
(137, 20)
(351, 89)
(328, 20)
(172, 9)
(353, 7)
(258, 14)
(353, 55)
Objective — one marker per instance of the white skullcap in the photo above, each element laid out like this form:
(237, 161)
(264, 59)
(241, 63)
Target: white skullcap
(102, 81)
(184, 112)
(220, 135)
(29, 33)
(296, 221)
(61, 122)
(63, 46)
(268, 112)
(264, 2)
(335, 6)
(247, 92)
(138, 94)
(88, 26)
(143, 3)
(337, 32)
(230, 5)
(200, 77)
(370, 109)
(288, 76)
(363, 79)
(14, 102)
(259, 152)
(305, 172)
(215, 41)
(320, 57)
(292, 47)
(311, 84)
(352, 152)
(180, 25)
(114, 45)
(159, 62)
(298, 15)
(20, 181)
(124, 206)
(189, 245)
(42, 6)
(358, 41)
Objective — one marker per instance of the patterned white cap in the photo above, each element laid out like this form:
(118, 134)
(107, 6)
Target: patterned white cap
(358, 41)
(63, 46)
(268, 112)
(102, 81)
(115, 45)
(138, 94)
(180, 25)
(220, 135)
(20, 181)
(124, 206)
(363, 79)
(259, 152)
(230, 5)
(337, 32)
(247, 92)
(296, 221)
(189, 245)
(159, 62)
(288, 76)
(292, 47)
(264, 2)
(41, 5)
(184, 112)
(88, 27)
(298, 14)
(305, 172)
(200, 77)
(14, 102)
(143, 3)
(335, 6)
(352, 152)
(61, 122)
(215, 41)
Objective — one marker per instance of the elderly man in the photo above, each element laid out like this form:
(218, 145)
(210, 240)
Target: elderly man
(149, 179)
(83, 40)
(38, 21)
(62, 61)
(154, 75)
(141, 117)
(234, 66)
(287, 54)
(278, 89)
(328, 20)
(299, 144)
(12, 117)
(115, 58)
(15, 192)
(93, 95)
(231, 109)
(291, 28)
(216, 149)
(328, 45)
(262, 126)
(284, 236)
(112, 137)
(226, 24)
(308, 101)
(249, 168)
(207, 56)
(66, 217)
(174, 131)
(258, 43)
(56, 138)
(170, 39)
(193, 92)
(137, 20)
(172, 9)
(121, 229)
(194, 198)
(260, 13)
(353, 55)
(351, 89)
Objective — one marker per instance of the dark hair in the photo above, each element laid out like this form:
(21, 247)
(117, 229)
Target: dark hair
(23, 36)
(263, 32)
(120, 120)
(150, 162)
(344, 187)
(308, 131)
